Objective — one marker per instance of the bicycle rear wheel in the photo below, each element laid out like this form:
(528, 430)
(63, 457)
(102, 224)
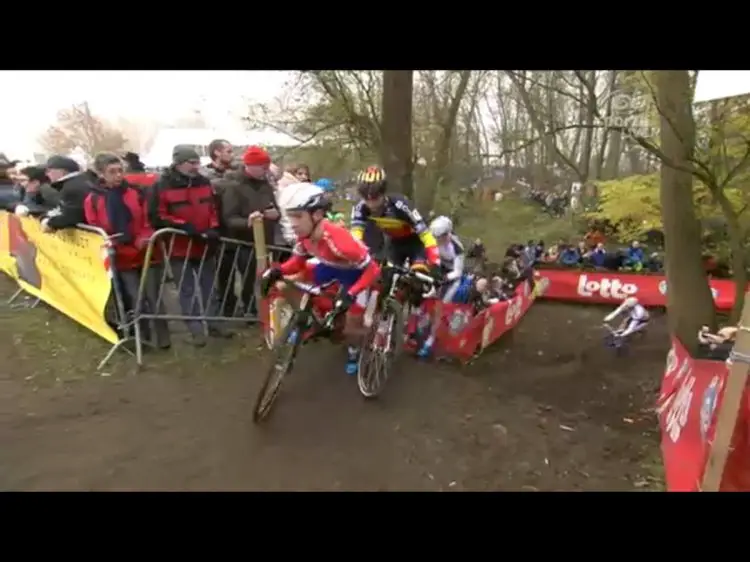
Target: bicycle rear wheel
(284, 352)
(381, 349)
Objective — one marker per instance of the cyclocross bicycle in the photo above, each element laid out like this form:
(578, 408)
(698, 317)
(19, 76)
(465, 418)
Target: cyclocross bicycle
(614, 341)
(384, 340)
(305, 324)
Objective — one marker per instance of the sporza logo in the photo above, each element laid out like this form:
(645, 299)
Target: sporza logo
(629, 111)
(607, 288)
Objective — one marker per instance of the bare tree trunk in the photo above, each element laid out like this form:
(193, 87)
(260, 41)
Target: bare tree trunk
(689, 297)
(396, 148)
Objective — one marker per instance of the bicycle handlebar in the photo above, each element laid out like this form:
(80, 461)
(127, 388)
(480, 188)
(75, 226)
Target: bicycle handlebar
(314, 290)
(411, 273)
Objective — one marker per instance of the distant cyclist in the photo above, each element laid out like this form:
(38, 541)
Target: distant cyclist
(635, 319)
(452, 255)
(452, 261)
(329, 252)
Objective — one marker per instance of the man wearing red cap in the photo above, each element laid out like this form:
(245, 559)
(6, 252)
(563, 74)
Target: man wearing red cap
(246, 194)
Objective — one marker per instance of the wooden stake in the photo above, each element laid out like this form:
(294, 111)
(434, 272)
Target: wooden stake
(729, 409)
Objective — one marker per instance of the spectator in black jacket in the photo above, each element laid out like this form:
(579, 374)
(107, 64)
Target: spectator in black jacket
(39, 197)
(246, 195)
(74, 185)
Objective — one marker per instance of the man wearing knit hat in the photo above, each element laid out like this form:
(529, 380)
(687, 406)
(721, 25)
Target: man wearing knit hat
(183, 199)
(247, 195)
(74, 185)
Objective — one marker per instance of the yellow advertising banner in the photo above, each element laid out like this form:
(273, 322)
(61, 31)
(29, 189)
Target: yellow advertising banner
(65, 269)
(6, 261)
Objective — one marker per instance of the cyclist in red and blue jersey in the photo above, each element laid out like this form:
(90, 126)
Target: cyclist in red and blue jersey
(330, 253)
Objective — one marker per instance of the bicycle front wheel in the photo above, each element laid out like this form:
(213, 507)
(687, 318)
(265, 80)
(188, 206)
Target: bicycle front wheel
(381, 349)
(284, 352)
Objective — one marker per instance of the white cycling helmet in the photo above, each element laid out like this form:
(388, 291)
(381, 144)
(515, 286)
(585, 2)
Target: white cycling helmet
(629, 302)
(303, 197)
(440, 226)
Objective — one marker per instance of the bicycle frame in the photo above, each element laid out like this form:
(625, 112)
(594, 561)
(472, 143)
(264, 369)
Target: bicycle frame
(322, 327)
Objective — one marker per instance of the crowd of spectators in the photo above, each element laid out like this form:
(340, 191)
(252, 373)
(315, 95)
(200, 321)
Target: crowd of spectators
(592, 252)
(222, 199)
(489, 282)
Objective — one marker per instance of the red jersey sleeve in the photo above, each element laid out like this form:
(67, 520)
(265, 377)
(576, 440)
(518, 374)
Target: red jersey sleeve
(344, 247)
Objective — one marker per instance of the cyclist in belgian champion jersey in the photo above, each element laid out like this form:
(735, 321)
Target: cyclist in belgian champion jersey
(392, 213)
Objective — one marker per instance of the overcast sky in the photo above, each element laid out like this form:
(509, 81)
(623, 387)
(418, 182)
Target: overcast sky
(717, 84)
(30, 99)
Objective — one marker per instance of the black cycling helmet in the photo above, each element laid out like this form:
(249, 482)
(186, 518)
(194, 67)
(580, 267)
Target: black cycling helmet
(372, 182)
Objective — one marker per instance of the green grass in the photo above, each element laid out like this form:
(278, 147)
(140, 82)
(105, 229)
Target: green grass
(44, 347)
(512, 220)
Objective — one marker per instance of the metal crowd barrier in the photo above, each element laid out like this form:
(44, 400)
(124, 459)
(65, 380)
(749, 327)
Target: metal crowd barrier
(217, 286)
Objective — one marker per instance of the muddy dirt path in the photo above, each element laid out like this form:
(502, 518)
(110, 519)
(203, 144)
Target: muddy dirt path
(548, 410)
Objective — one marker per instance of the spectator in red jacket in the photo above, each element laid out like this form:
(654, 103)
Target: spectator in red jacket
(119, 209)
(183, 199)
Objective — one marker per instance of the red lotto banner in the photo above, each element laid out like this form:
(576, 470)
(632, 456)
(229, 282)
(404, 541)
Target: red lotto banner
(612, 287)
(690, 394)
(462, 333)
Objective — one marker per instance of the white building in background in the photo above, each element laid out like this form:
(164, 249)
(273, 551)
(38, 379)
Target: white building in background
(717, 84)
(166, 140)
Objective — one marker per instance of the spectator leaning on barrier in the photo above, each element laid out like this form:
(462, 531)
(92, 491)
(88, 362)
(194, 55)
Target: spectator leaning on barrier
(183, 199)
(119, 209)
(246, 195)
(598, 256)
(570, 256)
(634, 258)
(39, 197)
(73, 185)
